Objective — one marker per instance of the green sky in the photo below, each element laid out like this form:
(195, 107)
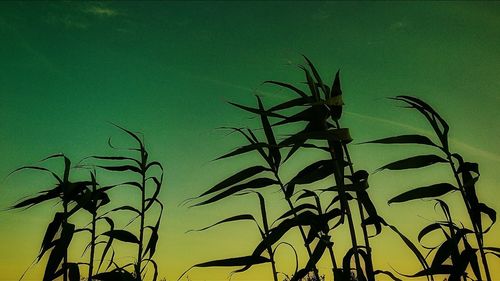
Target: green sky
(166, 69)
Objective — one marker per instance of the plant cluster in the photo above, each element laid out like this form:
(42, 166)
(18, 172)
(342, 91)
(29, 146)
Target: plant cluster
(321, 197)
(90, 198)
(344, 189)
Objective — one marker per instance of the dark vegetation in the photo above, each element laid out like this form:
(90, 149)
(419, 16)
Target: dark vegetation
(339, 199)
(88, 196)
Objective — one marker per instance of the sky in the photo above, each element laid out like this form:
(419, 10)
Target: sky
(167, 69)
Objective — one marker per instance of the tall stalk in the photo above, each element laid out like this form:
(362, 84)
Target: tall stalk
(142, 167)
(466, 176)
(67, 192)
(369, 262)
(323, 105)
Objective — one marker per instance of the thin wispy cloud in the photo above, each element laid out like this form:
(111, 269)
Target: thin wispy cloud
(100, 10)
(80, 15)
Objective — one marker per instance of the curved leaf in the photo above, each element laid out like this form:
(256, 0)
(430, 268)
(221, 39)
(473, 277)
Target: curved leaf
(236, 178)
(434, 190)
(122, 235)
(404, 139)
(230, 219)
(414, 162)
(256, 183)
(288, 86)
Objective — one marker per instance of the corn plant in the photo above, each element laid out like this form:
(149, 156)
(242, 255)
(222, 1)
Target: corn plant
(321, 110)
(68, 193)
(270, 153)
(143, 168)
(466, 175)
(92, 199)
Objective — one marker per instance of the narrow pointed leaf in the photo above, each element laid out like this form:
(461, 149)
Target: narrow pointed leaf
(256, 183)
(414, 162)
(243, 149)
(236, 178)
(404, 139)
(122, 235)
(289, 86)
(258, 111)
(121, 168)
(230, 219)
(434, 190)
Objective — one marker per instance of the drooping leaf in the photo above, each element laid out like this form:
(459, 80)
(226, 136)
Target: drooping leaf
(230, 262)
(297, 209)
(311, 173)
(314, 114)
(289, 86)
(230, 219)
(126, 208)
(404, 139)
(52, 194)
(122, 235)
(434, 190)
(414, 162)
(491, 213)
(338, 135)
(121, 168)
(428, 229)
(244, 149)
(255, 183)
(236, 178)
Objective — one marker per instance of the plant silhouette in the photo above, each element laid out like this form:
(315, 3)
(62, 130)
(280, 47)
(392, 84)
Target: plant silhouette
(466, 175)
(59, 233)
(143, 169)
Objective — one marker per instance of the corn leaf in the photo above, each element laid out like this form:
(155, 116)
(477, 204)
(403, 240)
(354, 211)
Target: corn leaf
(434, 190)
(289, 86)
(236, 178)
(404, 139)
(230, 219)
(414, 162)
(122, 235)
(256, 183)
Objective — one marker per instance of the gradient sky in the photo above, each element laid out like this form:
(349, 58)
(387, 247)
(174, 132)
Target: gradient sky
(166, 69)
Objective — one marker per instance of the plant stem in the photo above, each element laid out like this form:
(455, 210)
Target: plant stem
(92, 247)
(344, 204)
(273, 265)
(141, 230)
(369, 262)
(302, 232)
(65, 258)
(469, 211)
(264, 235)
